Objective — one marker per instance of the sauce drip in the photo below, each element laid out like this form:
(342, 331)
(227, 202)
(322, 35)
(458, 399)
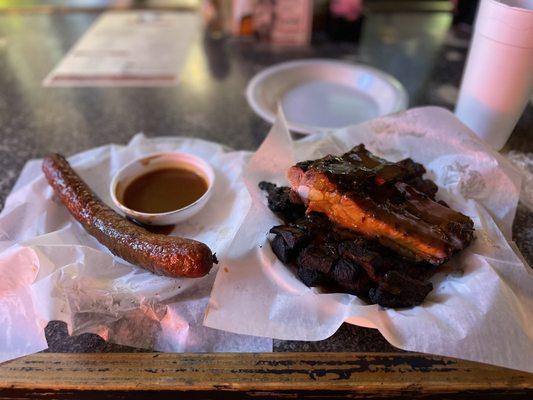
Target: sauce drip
(164, 190)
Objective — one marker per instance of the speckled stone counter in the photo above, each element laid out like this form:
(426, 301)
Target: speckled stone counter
(422, 50)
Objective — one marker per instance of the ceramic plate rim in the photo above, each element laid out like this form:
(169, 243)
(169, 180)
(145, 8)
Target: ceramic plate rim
(267, 115)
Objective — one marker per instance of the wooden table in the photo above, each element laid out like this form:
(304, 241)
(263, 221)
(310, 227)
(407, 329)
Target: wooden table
(274, 375)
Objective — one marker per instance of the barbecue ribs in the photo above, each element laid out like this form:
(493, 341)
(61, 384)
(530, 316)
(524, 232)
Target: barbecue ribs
(384, 201)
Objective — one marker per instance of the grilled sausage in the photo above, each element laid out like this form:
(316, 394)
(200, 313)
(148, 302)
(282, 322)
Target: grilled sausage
(163, 255)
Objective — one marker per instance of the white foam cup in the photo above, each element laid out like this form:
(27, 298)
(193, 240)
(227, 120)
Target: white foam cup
(498, 79)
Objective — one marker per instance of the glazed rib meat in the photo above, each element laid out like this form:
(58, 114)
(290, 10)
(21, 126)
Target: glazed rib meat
(384, 201)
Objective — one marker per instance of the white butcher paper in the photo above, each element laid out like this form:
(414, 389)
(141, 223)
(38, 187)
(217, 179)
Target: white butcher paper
(482, 303)
(51, 269)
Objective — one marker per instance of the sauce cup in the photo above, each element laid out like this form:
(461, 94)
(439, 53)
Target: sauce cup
(153, 162)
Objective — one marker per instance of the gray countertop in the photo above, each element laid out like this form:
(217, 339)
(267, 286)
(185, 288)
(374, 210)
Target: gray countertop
(421, 50)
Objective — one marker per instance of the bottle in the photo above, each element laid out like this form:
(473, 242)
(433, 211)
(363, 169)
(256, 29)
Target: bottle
(345, 20)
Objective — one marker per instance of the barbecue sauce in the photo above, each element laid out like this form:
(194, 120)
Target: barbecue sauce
(164, 190)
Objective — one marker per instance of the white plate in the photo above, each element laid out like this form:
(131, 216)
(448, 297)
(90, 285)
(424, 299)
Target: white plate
(318, 95)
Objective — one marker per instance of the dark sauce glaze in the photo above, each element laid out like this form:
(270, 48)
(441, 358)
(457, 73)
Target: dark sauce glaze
(359, 168)
(398, 195)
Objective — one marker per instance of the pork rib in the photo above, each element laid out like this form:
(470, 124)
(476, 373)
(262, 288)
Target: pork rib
(382, 200)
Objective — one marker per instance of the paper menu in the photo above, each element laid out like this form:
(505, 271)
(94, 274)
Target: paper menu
(129, 48)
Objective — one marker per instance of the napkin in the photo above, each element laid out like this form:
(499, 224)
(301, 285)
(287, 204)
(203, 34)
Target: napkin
(482, 302)
(50, 268)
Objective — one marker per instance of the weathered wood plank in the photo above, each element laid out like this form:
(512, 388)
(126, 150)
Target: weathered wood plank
(52, 375)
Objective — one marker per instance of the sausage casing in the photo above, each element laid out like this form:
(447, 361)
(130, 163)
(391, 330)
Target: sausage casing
(163, 255)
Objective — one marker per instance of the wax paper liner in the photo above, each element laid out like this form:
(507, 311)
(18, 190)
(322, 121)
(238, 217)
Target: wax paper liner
(482, 302)
(50, 268)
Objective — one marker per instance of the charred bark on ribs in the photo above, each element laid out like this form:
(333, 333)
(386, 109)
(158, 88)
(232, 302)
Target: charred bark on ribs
(363, 225)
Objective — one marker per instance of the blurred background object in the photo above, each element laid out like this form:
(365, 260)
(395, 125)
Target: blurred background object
(281, 22)
(376, 5)
(465, 11)
(345, 20)
(339, 20)
(95, 5)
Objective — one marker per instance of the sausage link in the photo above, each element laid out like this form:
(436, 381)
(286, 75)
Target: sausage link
(163, 255)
